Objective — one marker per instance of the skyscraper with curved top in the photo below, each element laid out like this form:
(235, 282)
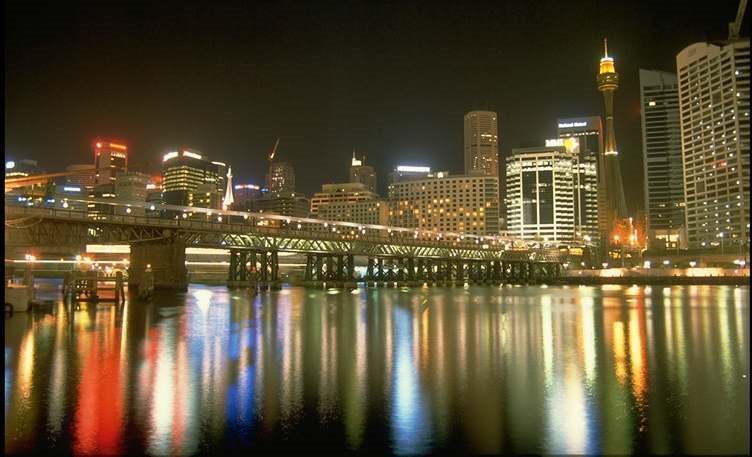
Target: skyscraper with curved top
(612, 207)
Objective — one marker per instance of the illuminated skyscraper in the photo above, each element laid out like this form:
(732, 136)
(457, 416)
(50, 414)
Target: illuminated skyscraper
(481, 143)
(661, 157)
(109, 160)
(612, 207)
(714, 111)
(182, 173)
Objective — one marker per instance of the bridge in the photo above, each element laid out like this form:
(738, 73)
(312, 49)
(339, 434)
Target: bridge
(394, 255)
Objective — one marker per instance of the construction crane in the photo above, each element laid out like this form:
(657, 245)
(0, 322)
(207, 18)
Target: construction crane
(736, 26)
(274, 150)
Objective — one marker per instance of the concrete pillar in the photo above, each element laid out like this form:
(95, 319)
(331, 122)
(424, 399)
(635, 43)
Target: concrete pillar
(167, 260)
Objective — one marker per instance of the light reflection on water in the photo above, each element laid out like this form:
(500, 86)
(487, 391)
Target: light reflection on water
(532, 370)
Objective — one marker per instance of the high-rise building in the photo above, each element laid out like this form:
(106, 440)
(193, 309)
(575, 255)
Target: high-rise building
(541, 193)
(612, 205)
(362, 173)
(661, 157)
(109, 160)
(481, 143)
(714, 113)
(281, 178)
(341, 193)
(468, 204)
(183, 171)
(588, 133)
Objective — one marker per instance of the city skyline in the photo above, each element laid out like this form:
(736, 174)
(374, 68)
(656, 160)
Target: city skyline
(406, 124)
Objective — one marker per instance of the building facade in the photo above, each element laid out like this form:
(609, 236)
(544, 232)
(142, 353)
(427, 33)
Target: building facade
(244, 195)
(109, 160)
(286, 205)
(541, 194)
(281, 178)
(588, 131)
(714, 115)
(131, 188)
(481, 143)
(362, 173)
(374, 212)
(83, 175)
(468, 204)
(183, 171)
(662, 159)
(409, 173)
(341, 193)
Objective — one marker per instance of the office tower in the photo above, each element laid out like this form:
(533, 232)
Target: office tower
(588, 133)
(541, 193)
(105, 193)
(714, 113)
(662, 159)
(83, 175)
(341, 193)
(183, 171)
(244, 194)
(408, 172)
(130, 189)
(362, 173)
(281, 178)
(481, 143)
(109, 160)
(441, 202)
(612, 205)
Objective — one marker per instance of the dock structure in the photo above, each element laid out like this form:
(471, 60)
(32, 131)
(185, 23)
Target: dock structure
(87, 285)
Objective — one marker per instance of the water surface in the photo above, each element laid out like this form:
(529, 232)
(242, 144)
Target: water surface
(486, 370)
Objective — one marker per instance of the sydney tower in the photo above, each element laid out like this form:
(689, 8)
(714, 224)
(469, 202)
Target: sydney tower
(611, 205)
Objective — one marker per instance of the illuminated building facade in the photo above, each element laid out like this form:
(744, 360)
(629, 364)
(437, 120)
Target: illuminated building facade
(104, 192)
(281, 178)
(362, 173)
(374, 212)
(662, 159)
(583, 137)
(109, 160)
(714, 114)
(408, 173)
(183, 171)
(481, 143)
(468, 204)
(540, 191)
(341, 193)
(612, 205)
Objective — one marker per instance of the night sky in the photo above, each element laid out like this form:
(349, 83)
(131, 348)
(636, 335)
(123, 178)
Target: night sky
(391, 80)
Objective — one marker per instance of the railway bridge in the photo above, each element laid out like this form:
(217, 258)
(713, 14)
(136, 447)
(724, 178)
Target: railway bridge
(394, 255)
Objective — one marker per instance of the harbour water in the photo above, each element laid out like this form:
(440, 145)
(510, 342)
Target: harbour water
(584, 370)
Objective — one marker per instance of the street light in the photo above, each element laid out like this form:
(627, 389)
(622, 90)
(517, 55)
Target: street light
(720, 235)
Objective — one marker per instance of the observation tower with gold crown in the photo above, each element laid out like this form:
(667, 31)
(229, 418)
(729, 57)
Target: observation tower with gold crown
(612, 211)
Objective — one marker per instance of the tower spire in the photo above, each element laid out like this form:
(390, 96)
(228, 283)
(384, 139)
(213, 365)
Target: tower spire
(605, 48)
(228, 200)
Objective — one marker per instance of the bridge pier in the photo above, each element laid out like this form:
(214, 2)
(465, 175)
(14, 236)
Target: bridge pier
(166, 259)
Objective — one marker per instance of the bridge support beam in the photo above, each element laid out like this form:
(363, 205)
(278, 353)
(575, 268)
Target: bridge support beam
(166, 259)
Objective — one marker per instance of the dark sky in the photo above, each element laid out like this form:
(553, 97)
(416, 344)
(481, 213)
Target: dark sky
(391, 80)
